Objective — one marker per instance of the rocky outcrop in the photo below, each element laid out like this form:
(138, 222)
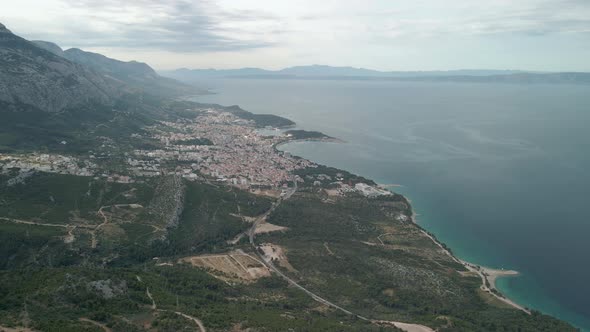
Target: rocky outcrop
(108, 289)
(36, 77)
(168, 202)
(49, 46)
(136, 74)
(113, 67)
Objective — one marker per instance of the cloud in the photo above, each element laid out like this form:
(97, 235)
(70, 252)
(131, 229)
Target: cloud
(477, 18)
(173, 25)
(398, 34)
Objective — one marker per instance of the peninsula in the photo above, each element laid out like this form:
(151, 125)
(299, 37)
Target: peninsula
(125, 208)
(211, 202)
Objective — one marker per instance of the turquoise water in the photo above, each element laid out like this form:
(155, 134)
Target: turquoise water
(498, 172)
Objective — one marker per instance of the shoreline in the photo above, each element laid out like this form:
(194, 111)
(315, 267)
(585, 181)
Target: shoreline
(488, 275)
(293, 140)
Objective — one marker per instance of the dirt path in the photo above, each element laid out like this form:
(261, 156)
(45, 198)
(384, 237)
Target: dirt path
(35, 223)
(70, 238)
(236, 239)
(149, 295)
(196, 320)
(406, 327)
(69, 227)
(379, 237)
(15, 329)
(95, 323)
(252, 233)
(26, 222)
(328, 249)
(155, 307)
(106, 220)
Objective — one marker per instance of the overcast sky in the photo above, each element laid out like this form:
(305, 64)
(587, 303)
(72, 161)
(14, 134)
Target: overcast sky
(547, 35)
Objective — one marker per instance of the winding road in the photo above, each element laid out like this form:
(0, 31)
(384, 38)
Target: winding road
(252, 234)
(155, 308)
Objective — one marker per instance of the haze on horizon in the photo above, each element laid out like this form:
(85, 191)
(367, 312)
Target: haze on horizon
(543, 35)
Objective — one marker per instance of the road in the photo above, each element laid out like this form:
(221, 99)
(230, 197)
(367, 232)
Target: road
(95, 323)
(155, 308)
(26, 222)
(262, 218)
(94, 241)
(197, 321)
(252, 234)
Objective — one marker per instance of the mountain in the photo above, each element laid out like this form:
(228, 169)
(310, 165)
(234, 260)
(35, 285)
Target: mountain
(111, 219)
(51, 103)
(136, 74)
(49, 46)
(329, 71)
(318, 72)
(521, 78)
(33, 76)
(185, 74)
(323, 72)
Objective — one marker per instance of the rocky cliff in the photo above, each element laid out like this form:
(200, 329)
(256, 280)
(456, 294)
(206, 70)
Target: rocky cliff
(33, 76)
(137, 75)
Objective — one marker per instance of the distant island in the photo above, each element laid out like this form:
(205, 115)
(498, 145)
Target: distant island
(320, 72)
(124, 207)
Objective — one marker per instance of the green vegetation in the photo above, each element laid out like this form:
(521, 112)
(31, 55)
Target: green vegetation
(311, 174)
(55, 299)
(304, 134)
(80, 251)
(84, 128)
(335, 247)
(261, 120)
(44, 197)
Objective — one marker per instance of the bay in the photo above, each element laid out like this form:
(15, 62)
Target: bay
(499, 172)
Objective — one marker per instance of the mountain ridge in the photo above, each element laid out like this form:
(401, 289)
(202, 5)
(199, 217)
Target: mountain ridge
(322, 72)
(325, 70)
(138, 75)
(34, 76)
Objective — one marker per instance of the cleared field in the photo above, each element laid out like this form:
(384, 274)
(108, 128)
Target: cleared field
(231, 267)
(268, 228)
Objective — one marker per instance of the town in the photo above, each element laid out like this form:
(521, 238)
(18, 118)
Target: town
(214, 146)
(230, 150)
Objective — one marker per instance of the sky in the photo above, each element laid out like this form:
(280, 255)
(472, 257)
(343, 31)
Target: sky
(543, 35)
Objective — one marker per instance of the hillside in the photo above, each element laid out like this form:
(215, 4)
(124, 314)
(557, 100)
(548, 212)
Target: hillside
(137, 75)
(37, 78)
(149, 233)
(124, 211)
(48, 101)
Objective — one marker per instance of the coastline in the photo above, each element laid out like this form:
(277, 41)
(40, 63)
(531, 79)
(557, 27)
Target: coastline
(488, 275)
(293, 140)
(531, 289)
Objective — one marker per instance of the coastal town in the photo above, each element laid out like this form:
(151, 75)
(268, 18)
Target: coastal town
(214, 146)
(237, 153)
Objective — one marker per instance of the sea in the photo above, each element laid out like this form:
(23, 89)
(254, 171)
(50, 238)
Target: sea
(498, 172)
